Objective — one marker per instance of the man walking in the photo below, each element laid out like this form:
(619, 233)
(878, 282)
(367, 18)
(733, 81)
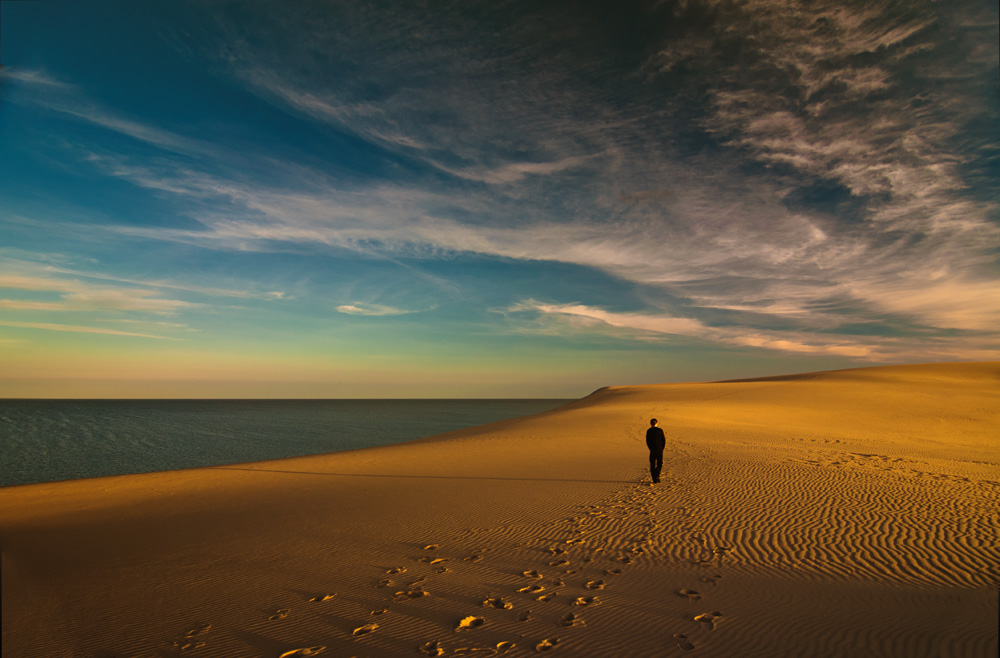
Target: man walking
(656, 442)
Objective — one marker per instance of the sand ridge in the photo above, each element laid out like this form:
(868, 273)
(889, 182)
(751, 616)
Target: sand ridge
(827, 514)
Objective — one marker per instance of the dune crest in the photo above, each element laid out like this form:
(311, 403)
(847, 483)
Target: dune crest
(851, 512)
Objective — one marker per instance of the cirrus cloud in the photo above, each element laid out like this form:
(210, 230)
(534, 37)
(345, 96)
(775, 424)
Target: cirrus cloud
(358, 308)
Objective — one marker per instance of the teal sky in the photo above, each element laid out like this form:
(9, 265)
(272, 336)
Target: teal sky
(239, 198)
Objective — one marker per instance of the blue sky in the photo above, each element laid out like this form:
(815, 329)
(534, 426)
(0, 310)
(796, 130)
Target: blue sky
(483, 199)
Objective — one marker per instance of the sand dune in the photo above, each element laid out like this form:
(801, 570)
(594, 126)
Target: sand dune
(841, 513)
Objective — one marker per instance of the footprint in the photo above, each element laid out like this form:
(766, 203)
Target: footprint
(689, 594)
(683, 642)
(612, 572)
(555, 550)
(574, 541)
(323, 597)
(280, 614)
(595, 584)
(709, 618)
(557, 582)
(498, 603)
(505, 646)
(384, 583)
(546, 645)
(531, 574)
(396, 570)
(198, 630)
(525, 616)
(473, 558)
(189, 646)
(433, 560)
(432, 648)
(572, 619)
(417, 593)
(531, 589)
(305, 651)
(364, 630)
(380, 611)
(587, 600)
(545, 597)
(558, 563)
(625, 559)
(469, 622)
(432, 547)
(710, 579)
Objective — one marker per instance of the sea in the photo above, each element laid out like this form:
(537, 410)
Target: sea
(50, 440)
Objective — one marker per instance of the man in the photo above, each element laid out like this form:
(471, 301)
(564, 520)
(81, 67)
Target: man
(656, 442)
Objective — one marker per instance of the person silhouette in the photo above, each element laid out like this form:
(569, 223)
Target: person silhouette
(656, 441)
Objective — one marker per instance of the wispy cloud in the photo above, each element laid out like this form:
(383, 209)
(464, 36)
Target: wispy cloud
(25, 305)
(47, 326)
(38, 274)
(208, 291)
(949, 302)
(667, 327)
(635, 321)
(359, 308)
(782, 167)
(43, 90)
(78, 296)
(773, 262)
(382, 126)
(33, 77)
(514, 171)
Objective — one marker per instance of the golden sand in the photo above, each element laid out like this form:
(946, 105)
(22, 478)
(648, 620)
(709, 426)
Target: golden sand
(847, 513)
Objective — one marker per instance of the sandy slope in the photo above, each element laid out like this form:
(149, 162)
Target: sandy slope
(832, 514)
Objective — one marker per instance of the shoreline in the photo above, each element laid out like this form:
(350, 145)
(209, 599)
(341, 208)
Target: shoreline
(62, 440)
(834, 514)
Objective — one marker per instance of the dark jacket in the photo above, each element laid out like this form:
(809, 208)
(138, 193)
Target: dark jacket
(655, 439)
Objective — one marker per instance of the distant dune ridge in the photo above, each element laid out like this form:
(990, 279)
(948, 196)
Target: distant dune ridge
(845, 513)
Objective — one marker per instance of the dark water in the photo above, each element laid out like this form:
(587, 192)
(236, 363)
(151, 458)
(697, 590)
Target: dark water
(46, 440)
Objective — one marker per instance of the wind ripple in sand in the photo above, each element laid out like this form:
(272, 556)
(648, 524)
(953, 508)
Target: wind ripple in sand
(860, 524)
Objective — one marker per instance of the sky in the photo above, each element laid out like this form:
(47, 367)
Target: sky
(358, 199)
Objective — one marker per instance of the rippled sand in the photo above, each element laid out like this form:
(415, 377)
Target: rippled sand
(830, 514)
